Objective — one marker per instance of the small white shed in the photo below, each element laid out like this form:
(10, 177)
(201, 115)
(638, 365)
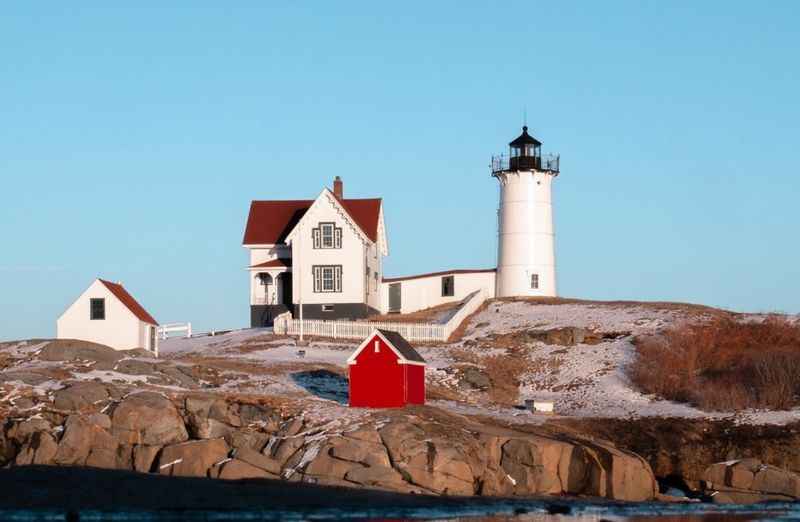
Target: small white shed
(107, 314)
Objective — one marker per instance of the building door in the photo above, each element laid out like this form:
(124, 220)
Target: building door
(286, 289)
(395, 297)
(152, 338)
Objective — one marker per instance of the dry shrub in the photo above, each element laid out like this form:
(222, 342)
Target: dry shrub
(505, 372)
(723, 364)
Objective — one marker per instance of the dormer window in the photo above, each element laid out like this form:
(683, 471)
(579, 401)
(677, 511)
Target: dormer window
(327, 235)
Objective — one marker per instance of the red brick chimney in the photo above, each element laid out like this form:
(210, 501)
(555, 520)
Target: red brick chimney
(338, 187)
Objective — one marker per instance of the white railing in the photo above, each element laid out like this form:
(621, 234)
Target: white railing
(471, 304)
(165, 329)
(420, 332)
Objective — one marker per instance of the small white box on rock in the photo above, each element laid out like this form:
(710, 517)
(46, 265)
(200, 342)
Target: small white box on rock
(539, 406)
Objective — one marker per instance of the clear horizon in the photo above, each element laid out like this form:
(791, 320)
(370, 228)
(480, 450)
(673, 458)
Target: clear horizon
(134, 139)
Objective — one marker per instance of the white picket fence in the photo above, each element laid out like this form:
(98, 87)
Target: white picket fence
(420, 332)
(165, 329)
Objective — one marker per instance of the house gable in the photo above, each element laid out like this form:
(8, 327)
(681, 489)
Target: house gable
(271, 222)
(326, 199)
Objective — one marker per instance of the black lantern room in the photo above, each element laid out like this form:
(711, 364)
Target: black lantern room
(525, 152)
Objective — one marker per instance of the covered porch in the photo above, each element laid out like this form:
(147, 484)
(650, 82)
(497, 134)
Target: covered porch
(270, 291)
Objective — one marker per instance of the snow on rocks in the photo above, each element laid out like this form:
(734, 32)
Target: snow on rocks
(583, 378)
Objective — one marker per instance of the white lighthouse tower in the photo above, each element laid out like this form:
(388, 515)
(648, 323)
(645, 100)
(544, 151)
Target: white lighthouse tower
(526, 262)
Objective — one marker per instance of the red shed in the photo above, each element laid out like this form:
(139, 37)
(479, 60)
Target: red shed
(386, 372)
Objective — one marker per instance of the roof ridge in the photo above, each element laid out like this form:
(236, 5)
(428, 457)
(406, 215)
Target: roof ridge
(129, 301)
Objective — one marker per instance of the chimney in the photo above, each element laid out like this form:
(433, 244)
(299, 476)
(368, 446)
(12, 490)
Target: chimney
(338, 187)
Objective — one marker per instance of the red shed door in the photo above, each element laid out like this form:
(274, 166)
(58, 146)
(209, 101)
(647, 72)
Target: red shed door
(415, 383)
(376, 379)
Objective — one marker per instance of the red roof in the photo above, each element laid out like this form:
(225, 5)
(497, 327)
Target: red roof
(434, 274)
(270, 222)
(128, 300)
(274, 263)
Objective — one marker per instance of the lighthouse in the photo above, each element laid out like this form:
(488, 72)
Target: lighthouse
(526, 261)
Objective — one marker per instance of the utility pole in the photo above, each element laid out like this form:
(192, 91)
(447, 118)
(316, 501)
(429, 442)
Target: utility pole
(300, 280)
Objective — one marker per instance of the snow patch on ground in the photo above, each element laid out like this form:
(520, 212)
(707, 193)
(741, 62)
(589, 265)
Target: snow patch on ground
(181, 345)
(504, 317)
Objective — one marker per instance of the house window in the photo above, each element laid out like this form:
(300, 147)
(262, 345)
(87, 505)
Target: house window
(327, 278)
(327, 235)
(535, 281)
(97, 309)
(448, 286)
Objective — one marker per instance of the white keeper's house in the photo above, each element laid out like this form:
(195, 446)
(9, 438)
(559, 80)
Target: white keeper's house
(106, 313)
(326, 254)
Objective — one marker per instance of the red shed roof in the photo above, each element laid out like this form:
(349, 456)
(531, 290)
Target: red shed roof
(404, 351)
(269, 222)
(128, 300)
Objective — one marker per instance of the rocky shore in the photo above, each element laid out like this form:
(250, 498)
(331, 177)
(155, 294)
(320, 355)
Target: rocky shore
(244, 408)
(421, 450)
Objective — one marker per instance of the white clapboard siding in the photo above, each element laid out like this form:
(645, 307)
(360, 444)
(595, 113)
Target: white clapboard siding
(420, 332)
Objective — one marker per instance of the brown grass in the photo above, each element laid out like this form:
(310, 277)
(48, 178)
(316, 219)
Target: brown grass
(723, 364)
(420, 316)
(505, 371)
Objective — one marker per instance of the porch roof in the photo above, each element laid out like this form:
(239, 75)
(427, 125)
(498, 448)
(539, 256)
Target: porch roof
(278, 263)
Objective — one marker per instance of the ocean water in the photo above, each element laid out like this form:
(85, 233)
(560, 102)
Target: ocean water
(509, 511)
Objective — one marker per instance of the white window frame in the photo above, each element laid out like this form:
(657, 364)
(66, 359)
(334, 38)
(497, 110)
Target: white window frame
(327, 279)
(534, 281)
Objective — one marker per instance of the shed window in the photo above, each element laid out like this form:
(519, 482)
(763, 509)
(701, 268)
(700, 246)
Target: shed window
(535, 281)
(97, 309)
(448, 286)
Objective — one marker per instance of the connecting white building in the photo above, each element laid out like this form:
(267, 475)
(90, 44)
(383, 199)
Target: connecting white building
(326, 254)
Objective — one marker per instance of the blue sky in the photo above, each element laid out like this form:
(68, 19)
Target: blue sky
(133, 139)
